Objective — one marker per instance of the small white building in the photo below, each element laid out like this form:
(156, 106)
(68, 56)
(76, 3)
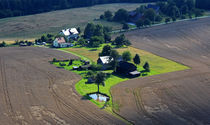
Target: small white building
(60, 42)
(105, 61)
(71, 33)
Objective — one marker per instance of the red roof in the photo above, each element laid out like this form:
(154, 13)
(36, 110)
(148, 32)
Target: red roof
(60, 40)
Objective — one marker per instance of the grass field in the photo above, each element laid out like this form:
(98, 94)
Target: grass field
(32, 26)
(158, 65)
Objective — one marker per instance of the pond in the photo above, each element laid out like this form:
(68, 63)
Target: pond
(99, 97)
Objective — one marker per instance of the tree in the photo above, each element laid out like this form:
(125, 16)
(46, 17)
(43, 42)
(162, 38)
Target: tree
(44, 38)
(106, 51)
(168, 19)
(121, 15)
(81, 42)
(173, 19)
(108, 15)
(98, 31)
(126, 56)
(125, 26)
(3, 44)
(95, 41)
(107, 37)
(150, 14)
(158, 18)
(198, 12)
(121, 40)
(114, 55)
(102, 17)
(147, 22)
(146, 67)
(100, 78)
(140, 23)
(89, 30)
(137, 59)
(79, 30)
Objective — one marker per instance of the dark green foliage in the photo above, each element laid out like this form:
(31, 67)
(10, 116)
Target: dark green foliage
(126, 56)
(106, 51)
(81, 42)
(89, 30)
(125, 26)
(137, 59)
(150, 14)
(3, 44)
(198, 12)
(147, 22)
(95, 41)
(102, 17)
(121, 41)
(115, 55)
(96, 67)
(173, 19)
(146, 67)
(203, 4)
(54, 60)
(100, 78)
(121, 15)
(158, 18)
(79, 30)
(140, 23)
(107, 37)
(108, 15)
(168, 19)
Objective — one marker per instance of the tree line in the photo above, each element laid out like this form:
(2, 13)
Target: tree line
(10, 8)
(164, 10)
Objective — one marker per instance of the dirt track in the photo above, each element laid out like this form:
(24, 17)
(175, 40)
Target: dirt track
(34, 92)
(174, 98)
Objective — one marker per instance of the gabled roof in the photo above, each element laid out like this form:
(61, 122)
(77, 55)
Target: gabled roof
(60, 40)
(71, 31)
(105, 59)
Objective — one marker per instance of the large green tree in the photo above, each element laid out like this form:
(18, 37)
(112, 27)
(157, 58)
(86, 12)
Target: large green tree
(137, 59)
(100, 78)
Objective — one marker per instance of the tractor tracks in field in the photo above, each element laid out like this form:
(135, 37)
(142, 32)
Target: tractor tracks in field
(11, 113)
(66, 108)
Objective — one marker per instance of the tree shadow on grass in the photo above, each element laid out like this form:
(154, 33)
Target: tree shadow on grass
(93, 49)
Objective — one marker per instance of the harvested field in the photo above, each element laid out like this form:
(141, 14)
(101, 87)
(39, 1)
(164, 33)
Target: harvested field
(176, 98)
(33, 26)
(35, 92)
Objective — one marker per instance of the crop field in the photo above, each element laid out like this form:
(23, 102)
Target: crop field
(174, 98)
(34, 92)
(33, 26)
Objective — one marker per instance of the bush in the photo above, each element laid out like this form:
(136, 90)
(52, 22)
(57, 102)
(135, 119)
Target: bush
(126, 56)
(96, 67)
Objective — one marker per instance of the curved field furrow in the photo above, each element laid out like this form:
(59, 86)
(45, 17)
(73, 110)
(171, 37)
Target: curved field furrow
(35, 92)
(181, 97)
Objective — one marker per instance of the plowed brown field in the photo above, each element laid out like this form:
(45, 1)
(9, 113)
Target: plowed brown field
(176, 98)
(34, 92)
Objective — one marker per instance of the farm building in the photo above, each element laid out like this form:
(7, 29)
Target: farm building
(60, 42)
(104, 61)
(71, 33)
(128, 69)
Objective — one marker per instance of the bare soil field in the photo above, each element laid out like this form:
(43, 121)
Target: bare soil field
(34, 92)
(175, 98)
(33, 26)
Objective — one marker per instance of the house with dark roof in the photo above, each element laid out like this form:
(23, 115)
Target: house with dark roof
(127, 69)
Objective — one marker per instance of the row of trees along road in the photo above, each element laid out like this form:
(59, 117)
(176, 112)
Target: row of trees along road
(171, 9)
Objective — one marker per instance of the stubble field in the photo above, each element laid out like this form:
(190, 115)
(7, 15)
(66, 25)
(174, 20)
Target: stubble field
(33, 91)
(181, 97)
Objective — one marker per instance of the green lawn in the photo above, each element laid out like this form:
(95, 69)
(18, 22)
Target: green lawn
(158, 65)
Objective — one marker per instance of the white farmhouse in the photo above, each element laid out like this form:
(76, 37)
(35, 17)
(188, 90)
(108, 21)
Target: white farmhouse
(105, 61)
(60, 42)
(71, 33)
